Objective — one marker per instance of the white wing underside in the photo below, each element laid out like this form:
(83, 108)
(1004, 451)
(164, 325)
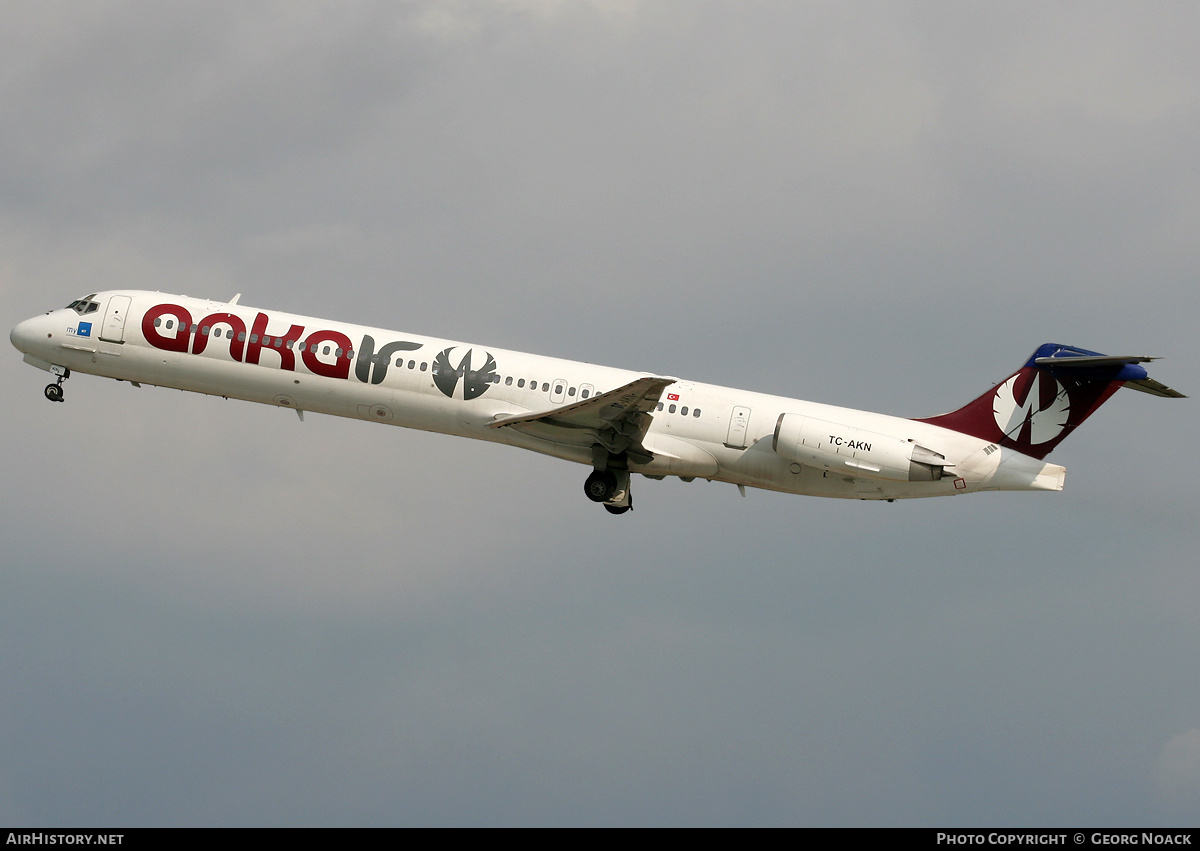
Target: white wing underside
(617, 420)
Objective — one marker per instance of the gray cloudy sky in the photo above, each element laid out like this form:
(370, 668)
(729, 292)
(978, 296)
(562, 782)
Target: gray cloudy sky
(214, 614)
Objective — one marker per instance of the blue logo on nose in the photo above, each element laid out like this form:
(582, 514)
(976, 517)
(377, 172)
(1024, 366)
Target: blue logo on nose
(84, 329)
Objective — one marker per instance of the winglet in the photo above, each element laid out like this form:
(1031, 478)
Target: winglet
(234, 300)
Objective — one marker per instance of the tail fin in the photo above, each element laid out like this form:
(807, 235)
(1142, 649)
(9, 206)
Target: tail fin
(1046, 399)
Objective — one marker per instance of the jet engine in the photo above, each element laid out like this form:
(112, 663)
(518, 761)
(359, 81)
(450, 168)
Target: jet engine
(855, 451)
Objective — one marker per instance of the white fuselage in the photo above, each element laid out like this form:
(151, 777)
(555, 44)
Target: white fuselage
(697, 430)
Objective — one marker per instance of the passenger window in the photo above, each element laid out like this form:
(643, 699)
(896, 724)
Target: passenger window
(302, 346)
(585, 394)
(204, 330)
(671, 409)
(508, 381)
(241, 336)
(695, 412)
(683, 410)
(399, 362)
(558, 388)
(289, 343)
(571, 392)
(520, 382)
(660, 406)
(170, 324)
(545, 386)
(338, 353)
(325, 351)
(279, 342)
(412, 364)
(423, 366)
(157, 321)
(253, 338)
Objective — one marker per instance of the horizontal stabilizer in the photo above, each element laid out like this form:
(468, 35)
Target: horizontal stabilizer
(1154, 388)
(1068, 361)
(1089, 361)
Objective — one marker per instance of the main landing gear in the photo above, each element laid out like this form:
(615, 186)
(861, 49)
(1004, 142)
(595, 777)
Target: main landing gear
(54, 392)
(600, 485)
(609, 484)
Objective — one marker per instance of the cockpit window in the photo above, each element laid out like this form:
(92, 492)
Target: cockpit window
(84, 305)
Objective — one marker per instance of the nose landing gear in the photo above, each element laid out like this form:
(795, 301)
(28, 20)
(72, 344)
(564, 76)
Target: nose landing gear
(54, 392)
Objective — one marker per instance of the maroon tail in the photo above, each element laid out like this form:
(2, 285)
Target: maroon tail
(1046, 399)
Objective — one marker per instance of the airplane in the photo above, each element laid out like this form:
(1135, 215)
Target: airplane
(615, 421)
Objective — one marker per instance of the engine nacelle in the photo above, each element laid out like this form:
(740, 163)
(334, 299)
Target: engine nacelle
(855, 451)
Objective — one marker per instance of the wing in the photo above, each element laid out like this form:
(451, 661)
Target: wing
(617, 420)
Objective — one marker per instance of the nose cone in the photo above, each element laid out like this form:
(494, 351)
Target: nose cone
(25, 335)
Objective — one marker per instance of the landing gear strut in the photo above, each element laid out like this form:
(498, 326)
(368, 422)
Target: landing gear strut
(54, 392)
